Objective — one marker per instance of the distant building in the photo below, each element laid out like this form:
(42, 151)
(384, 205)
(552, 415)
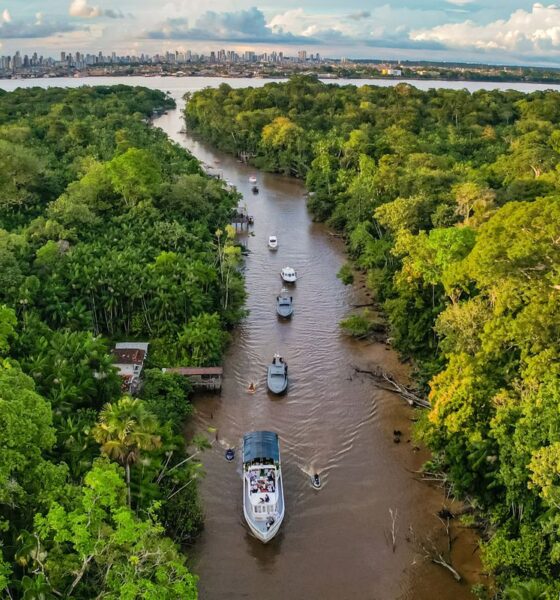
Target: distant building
(392, 72)
(129, 361)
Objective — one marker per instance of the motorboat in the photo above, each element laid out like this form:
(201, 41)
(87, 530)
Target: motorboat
(277, 379)
(253, 179)
(263, 491)
(230, 454)
(316, 481)
(288, 274)
(273, 242)
(284, 304)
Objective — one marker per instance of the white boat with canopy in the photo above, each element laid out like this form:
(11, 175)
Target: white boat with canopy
(263, 492)
(288, 274)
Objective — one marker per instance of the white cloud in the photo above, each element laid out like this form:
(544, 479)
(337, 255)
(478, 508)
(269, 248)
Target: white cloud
(80, 8)
(6, 16)
(301, 23)
(536, 30)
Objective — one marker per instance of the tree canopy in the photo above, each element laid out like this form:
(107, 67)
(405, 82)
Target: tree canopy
(108, 231)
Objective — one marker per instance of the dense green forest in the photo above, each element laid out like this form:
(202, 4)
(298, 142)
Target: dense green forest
(450, 204)
(108, 231)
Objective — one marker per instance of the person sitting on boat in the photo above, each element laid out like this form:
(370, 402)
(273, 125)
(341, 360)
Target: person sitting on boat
(267, 498)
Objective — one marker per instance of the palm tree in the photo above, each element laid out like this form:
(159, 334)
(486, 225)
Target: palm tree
(526, 590)
(125, 429)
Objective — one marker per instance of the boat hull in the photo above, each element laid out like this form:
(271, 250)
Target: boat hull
(264, 535)
(288, 280)
(285, 313)
(276, 384)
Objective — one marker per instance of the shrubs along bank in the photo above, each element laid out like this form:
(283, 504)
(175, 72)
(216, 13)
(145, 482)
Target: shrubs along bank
(107, 231)
(450, 203)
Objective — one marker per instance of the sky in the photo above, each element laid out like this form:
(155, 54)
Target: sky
(494, 31)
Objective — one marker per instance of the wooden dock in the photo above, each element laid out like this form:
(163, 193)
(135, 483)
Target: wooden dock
(201, 378)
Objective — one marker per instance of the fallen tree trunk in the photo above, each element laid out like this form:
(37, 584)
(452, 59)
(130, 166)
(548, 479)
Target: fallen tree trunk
(386, 381)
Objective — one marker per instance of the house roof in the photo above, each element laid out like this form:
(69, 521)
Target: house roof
(129, 357)
(132, 346)
(188, 371)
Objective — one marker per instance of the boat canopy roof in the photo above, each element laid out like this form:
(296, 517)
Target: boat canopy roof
(260, 444)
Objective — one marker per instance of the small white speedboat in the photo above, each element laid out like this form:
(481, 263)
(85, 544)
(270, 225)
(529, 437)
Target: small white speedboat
(253, 179)
(263, 492)
(288, 274)
(273, 242)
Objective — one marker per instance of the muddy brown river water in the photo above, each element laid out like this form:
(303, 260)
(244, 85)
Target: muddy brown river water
(334, 542)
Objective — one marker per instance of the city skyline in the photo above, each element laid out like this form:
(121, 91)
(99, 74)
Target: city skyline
(508, 32)
(18, 61)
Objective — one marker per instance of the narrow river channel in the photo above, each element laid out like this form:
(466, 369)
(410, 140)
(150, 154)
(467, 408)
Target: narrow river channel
(334, 542)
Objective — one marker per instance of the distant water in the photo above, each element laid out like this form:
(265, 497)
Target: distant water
(181, 85)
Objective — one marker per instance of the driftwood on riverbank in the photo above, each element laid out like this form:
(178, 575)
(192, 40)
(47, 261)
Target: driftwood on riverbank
(387, 382)
(432, 552)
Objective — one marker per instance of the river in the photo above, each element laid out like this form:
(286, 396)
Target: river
(335, 543)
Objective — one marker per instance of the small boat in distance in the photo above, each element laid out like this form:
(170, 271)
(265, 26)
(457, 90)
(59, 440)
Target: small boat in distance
(253, 179)
(316, 481)
(255, 189)
(288, 274)
(230, 454)
(273, 242)
(277, 379)
(263, 491)
(284, 304)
